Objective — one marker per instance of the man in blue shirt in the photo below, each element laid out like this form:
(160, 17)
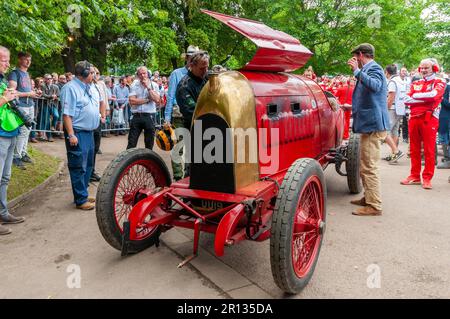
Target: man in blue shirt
(7, 143)
(169, 114)
(174, 79)
(81, 117)
(371, 120)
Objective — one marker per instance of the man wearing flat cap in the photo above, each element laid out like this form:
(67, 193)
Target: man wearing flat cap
(174, 79)
(371, 120)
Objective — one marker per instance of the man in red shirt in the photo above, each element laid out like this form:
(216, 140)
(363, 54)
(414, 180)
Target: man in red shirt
(423, 99)
(344, 94)
(324, 83)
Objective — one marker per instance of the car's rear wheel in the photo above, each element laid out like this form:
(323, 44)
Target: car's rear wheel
(352, 165)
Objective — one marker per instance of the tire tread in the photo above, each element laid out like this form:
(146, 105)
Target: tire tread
(282, 216)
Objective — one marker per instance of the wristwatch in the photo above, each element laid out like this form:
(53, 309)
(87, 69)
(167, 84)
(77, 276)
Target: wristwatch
(70, 136)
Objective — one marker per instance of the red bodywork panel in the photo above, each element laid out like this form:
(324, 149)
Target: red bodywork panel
(306, 122)
(277, 51)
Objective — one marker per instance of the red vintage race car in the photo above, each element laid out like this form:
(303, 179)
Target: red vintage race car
(279, 195)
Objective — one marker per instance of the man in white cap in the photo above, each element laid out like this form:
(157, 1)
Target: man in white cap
(175, 78)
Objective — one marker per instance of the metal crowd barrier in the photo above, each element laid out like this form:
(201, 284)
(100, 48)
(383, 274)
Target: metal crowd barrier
(48, 118)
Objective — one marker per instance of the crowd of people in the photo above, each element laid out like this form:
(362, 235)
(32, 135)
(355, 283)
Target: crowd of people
(40, 99)
(399, 83)
(79, 108)
(83, 107)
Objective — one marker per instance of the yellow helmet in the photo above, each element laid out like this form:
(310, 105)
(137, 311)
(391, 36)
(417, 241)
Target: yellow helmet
(165, 139)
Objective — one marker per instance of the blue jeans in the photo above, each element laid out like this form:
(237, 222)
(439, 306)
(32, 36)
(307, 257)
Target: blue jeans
(55, 115)
(80, 160)
(7, 145)
(44, 119)
(444, 131)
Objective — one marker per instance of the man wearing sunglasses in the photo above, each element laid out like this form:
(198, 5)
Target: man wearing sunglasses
(189, 89)
(423, 99)
(172, 112)
(48, 113)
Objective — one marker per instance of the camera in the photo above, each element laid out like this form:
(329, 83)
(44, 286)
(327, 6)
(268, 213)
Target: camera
(27, 120)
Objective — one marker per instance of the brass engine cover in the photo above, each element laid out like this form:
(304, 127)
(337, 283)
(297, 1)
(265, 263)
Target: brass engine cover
(230, 96)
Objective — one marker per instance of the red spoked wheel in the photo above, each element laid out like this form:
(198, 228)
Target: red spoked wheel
(138, 176)
(298, 225)
(126, 181)
(308, 227)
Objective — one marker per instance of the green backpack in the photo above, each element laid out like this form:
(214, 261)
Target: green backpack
(9, 121)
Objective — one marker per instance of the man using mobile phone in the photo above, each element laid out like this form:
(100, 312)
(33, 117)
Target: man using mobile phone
(144, 95)
(371, 121)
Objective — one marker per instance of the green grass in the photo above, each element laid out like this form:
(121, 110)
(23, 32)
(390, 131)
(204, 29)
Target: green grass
(22, 181)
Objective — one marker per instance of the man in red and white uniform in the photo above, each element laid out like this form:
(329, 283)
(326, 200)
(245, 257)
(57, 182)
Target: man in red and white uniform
(423, 99)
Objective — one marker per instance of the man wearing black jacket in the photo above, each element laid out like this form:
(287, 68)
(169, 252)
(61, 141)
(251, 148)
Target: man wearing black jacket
(191, 85)
(189, 89)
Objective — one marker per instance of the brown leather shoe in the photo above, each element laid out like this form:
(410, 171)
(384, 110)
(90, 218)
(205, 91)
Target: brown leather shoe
(91, 199)
(11, 219)
(359, 202)
(86, 206)
(4, 230)
(367, 211)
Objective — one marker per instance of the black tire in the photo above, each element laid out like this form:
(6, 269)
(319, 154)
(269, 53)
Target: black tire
(282, 231)
(352, 165)
(106, 195)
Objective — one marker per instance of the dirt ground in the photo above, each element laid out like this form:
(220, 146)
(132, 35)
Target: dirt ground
(407, 249)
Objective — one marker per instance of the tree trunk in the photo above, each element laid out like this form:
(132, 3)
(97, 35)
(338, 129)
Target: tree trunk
(83, 50)
(174, 63)
(68, 58)
(100, 59)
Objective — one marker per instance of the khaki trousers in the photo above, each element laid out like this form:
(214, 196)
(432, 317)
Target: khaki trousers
(369, 168)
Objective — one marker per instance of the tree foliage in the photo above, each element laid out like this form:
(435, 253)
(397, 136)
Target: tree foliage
(25, 26)
(119, 35)
(331, 28)
(438, 27)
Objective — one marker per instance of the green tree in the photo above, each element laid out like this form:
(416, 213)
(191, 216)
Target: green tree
(438, 26)
(195, 28)
(121, 34)
(330, 28)
(26, 26)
